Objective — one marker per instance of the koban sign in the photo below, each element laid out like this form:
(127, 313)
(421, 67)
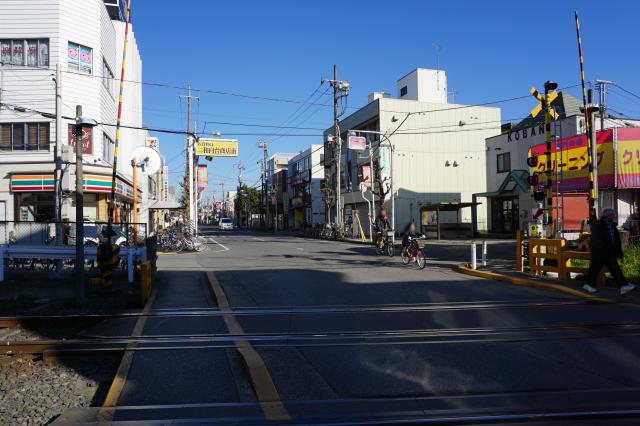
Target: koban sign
(217, 147)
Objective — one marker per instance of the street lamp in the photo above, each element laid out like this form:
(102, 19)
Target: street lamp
(391, 189)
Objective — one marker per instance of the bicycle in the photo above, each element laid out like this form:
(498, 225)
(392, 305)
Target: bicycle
(385, 243)
(413, 252)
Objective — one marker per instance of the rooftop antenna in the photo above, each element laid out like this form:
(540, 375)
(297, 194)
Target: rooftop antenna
(438, 48)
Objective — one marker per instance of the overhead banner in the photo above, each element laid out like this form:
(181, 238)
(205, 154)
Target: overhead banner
(217, 147)
(203, 177)
(366, 176)
(357, 143)
(570, 162)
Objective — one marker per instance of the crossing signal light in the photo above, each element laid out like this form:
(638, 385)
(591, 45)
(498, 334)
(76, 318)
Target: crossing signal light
(533, 180)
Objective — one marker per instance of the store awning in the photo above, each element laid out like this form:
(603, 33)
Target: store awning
(91, 183)
(165, 205)
(515, 179)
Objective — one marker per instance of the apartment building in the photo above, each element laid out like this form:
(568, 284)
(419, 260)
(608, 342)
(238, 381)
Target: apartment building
(85, 39)
(432, 151)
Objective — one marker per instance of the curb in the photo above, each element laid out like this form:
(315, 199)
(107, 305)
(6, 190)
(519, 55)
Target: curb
(465, 268)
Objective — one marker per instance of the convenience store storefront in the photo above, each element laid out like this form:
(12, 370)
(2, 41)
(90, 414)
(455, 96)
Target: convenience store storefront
(34, 198)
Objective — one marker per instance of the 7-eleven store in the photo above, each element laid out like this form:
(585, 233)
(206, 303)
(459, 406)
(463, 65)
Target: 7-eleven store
(33, 198)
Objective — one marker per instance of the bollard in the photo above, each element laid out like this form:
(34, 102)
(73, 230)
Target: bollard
(474, 264)
(130, 265)
(484, 254)
(145, 281)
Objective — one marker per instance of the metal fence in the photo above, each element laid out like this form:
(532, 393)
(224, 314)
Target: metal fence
(46, 233)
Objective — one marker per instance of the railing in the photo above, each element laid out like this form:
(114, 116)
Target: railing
(538, 258)
(45, 233)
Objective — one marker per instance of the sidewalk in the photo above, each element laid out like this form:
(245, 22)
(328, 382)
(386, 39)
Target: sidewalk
(504, 270)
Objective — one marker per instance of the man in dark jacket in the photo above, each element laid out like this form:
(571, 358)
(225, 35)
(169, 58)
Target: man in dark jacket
(605, 251)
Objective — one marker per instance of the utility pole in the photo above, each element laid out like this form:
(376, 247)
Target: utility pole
(340, 89)
(602, 89)
(239, 194)
(591, 111)
(264, 145)
(57, 184)
(189, 160)
(79, 210)
(224, 210)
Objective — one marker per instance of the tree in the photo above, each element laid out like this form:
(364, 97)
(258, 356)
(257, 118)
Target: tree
(246, 200)
(381, 186)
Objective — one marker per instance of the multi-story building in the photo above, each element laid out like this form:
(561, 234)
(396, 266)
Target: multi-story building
(85, 39)
(509, 198)
(306, 205)
(275, 186)
(436, 163)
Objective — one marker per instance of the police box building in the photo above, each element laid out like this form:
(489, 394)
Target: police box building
(509, 202)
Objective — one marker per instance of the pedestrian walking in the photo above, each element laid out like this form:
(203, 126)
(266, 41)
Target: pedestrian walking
(606, 249)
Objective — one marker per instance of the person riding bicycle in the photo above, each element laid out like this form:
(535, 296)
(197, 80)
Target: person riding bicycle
(410, 233)
(382, 224)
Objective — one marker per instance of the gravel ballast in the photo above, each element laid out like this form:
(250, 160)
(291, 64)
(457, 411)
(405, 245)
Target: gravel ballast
(33, 392)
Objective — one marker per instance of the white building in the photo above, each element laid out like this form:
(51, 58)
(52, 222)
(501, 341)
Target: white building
(87, 43)
(438, 156)
(306, 206)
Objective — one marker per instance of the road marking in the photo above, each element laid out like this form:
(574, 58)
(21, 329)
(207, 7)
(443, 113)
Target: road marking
(106, 412)
(259, 376)
(258, 239)
(224, 248)
(299, 248)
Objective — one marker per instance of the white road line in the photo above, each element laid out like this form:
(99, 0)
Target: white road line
(258, 239)
(225, 248)
(300, 248)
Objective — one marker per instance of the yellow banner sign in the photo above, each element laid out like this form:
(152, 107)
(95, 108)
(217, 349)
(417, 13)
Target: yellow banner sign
(217, 147)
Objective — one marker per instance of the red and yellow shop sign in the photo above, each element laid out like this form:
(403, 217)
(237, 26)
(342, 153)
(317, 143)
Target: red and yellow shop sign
(628, 158)
(570, 162)
(569, 159)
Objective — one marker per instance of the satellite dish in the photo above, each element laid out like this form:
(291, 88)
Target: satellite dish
(147, 159)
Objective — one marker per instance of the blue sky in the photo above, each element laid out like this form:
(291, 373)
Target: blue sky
(491, 50)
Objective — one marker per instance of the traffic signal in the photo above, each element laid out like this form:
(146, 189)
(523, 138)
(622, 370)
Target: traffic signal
(534, 181)
(532, 161)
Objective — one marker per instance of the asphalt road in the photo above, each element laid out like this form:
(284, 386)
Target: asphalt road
(347, 334)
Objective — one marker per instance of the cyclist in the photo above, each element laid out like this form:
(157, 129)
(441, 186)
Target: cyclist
(382, 225)
(410, 233)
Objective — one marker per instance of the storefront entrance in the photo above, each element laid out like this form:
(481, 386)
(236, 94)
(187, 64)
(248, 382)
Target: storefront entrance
(34, 207)
(504, 215)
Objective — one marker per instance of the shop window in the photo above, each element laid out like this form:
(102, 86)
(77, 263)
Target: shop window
(25, 52)
(80, 58)
(24, 136)
(504, 162)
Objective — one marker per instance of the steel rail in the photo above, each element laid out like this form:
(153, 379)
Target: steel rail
(73, 319)
(445, 336)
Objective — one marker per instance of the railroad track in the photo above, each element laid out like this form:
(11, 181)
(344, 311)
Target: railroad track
(88, 319)
(55, 348)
